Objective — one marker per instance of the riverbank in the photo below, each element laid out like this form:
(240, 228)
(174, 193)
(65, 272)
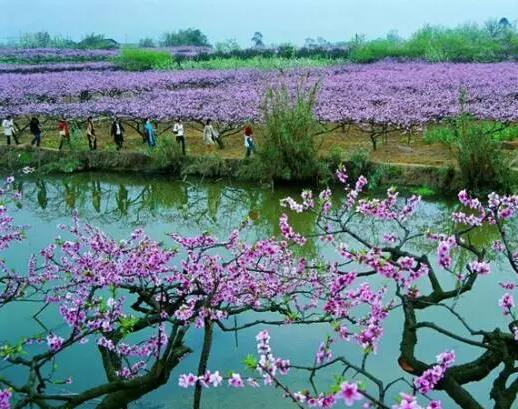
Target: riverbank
(47, 160)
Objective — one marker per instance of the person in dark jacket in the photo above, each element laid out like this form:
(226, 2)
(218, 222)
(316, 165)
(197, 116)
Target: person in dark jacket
(34, 127)
(117, 133)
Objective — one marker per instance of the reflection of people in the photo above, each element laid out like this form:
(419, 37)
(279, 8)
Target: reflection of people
(122, 199)
(96, 196)
(117, 133)
(42, 194)
(70, 196)
(213, 200)
(90, 134)
(64, 132)
(149, 131)
(178, 130)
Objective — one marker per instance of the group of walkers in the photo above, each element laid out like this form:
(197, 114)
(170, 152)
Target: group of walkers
(116, 131)
(210, 136)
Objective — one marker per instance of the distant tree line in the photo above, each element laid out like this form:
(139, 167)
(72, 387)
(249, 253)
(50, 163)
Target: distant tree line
(43, 39)
(496, 40)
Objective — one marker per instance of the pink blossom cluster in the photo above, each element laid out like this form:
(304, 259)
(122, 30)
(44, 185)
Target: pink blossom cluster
(410, 402)
(446, 244)
(324, 353)
(506, 302)
(5, 397)
(431, 377)
(288, 233)
(54, 342)
(349, 393)
(268, 365)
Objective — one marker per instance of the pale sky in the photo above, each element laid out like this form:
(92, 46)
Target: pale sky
(278, 20)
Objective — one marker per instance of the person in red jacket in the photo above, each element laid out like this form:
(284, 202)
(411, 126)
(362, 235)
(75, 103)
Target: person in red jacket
(249, 140)
(64, 132)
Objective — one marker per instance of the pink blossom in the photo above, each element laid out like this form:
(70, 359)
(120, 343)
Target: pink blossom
(187, 381)
(349, 393)
(506, 303)
(480, 267)
(54, 342)
(235, 381)
(5, 397)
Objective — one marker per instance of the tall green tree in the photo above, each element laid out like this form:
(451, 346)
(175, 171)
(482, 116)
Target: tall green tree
(189, 36)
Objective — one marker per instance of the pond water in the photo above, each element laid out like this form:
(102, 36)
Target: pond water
(121, 203)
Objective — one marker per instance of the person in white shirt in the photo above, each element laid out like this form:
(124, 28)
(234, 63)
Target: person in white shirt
(178, 130)
(209, 134)
(9, 128)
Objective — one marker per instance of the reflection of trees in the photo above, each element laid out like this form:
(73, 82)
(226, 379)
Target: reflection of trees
(42, 194)
(136, 200)
(96, 195)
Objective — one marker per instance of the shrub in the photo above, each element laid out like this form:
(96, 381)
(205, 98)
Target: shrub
(97, 41)
(167, 154)
(498, 131)
(211, 166)
(376, 50)
(135, 59)
(479, 156)
(288, 150)
(358, 163)
(477, 148)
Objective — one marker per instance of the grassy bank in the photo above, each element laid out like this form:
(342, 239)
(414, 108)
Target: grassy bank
(45, 160)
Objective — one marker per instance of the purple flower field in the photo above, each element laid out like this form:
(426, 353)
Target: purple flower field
(63, 54)
(39, 55)
(55, 67)
(398, 94)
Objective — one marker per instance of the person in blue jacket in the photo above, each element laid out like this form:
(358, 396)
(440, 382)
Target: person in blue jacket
(150, 133)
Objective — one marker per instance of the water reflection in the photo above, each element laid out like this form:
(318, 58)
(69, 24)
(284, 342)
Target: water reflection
(137, 200)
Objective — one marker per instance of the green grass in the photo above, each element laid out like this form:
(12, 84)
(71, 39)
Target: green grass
(262, 63)
(498, 132)
(138, 59)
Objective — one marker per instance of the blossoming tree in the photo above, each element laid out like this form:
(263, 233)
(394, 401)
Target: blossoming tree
(137, 299)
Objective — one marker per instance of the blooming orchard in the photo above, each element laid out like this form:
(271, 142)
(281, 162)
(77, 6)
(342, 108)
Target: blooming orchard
(393, 94)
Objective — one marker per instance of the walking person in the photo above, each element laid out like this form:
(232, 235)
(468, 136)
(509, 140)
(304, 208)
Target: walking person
(117, 133)
(34, 127)
(10, 129)
(64, 132)
(178, 130)
(249, 141)
(90, 134)
(208, 134)
(149, 131)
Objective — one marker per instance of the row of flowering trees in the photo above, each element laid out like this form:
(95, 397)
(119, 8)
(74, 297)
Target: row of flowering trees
(384, 97)
(137, 299)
